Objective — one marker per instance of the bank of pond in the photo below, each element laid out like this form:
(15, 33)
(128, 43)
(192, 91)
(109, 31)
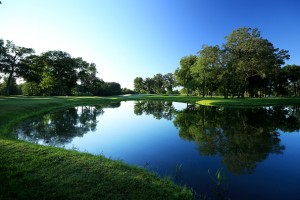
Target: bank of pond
(217, 152)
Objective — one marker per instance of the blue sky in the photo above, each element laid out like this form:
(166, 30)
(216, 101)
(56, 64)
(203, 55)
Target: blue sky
(130, 38)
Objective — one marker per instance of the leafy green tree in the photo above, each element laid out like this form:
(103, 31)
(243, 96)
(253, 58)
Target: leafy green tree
(159, 83)
(138, 84)
(60, 75)
(207, 71)
(110, 89)
(14, 88)
(31, 89)
(183, 74)
(169, 82)
(251, 55)
(12, 61)
(149, 85)
(293, 77)
(86, 75)
(127, 91)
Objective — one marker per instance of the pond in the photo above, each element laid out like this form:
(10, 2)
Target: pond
(221, 153)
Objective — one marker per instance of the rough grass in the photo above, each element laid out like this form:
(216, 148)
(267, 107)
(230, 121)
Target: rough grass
(36, 172)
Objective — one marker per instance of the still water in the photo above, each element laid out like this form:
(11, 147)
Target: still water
(221, 153)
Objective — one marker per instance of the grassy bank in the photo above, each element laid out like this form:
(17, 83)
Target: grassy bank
(36, 172)
(220, 101)
(249, 102)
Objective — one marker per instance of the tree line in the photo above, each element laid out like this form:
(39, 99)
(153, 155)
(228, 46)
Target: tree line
(50, 73)
(245, 65)
(158, 84)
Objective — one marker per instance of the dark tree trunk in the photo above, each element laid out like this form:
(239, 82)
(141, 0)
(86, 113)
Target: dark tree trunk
(8, 82)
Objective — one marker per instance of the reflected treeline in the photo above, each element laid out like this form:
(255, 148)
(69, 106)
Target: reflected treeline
(243, 137)
(159, 109)
(59, 128)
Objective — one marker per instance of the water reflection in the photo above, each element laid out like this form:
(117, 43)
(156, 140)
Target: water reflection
(186, 142)
(243, 137)
(159, 109)
(59, 128)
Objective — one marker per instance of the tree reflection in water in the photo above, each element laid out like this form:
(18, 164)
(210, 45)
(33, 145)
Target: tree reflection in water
(242, 137)
(59, 128)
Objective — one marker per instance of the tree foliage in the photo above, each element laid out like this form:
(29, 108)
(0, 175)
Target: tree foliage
(158, 84)
(50, 73)
(246, 64)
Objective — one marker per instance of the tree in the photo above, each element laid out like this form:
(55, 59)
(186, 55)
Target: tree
(293, 77)
(86, 75)
(251, 55)
(149, 85)
(183, 74)
(138, 84)
(110, 89)
(159, 83)
(14, 88)
(207, 70)
(170, 82)
(60, 74)
(12, 61)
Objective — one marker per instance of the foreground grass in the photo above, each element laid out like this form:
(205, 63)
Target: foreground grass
(36, 172)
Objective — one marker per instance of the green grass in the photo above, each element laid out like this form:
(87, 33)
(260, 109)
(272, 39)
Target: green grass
(248, 102)
(36, 172)
(29, 171)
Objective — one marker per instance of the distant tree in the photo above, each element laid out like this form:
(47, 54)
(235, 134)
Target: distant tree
(127, 91)
(86, 75)
(12, 61)
(138, 84)
(60, 75)
(14, 88)
(170, 82)
(149, 85)
(30, 88)
(159, 83)
(293, 77)
(110, 89)
(35, 68)
(183, 74)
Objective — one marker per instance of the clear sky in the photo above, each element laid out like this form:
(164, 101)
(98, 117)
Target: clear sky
(130, 38)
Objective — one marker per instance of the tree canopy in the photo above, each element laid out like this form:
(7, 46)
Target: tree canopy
(246, 64)
(50, 73)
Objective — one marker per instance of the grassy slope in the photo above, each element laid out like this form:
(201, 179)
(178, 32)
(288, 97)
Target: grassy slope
(37, 172)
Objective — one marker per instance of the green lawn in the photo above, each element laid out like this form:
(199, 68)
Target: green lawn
(249, 102)
(29, 171)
